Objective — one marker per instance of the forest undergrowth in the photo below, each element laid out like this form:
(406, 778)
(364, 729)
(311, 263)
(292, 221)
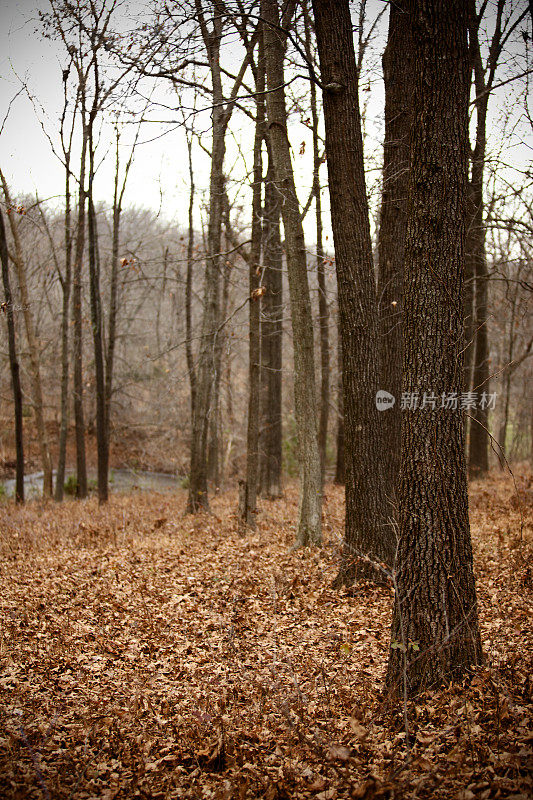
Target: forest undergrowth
(150, 654)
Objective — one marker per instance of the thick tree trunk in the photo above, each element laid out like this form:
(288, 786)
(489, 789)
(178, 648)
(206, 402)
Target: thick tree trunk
(13, 365)
(272, 340)
(33, 346)
(369, 542)
(435, 632)
(392, 231)
(310, 518)
(254, 279)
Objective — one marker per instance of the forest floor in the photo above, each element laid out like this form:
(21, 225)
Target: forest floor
(150, 654)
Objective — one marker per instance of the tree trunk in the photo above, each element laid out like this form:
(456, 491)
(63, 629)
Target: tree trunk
(188, 286)
(339, 465)
(508, 374)
(392, 231)
(435, 632)
(310, 522)
(205, 407)
(478, 462)
(77, 318)
(113, 315)
(369, 542)
(272, 339)
(65, 313)
(254, 280)
(96, 320)
(33, 346)
(323, 310)
(14, 365)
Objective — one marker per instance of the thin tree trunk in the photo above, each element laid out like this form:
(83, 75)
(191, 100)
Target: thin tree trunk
(77, 318)
(33, 346)
(510, 354)
(310, 519)
(13, 365)
(188, 285)
(435, 631)
(65, 314)
(478, 461)
(112, 321)
(339, 465)
(369, 542)
(216, 428)
(96, 320)
(272, 339)
(392, 231)
(96, 314)
(109, 350)
(254, 355)
(206, 373)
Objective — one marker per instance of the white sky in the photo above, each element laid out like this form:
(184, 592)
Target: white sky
(159, 176)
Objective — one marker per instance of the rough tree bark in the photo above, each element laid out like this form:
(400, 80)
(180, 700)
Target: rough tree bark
(33, 344)
(310, 522)
(435, 632)
(392, 230)
(13, 365)
(369, 543)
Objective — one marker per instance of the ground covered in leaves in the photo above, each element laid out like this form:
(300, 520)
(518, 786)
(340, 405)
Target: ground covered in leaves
(150, 654)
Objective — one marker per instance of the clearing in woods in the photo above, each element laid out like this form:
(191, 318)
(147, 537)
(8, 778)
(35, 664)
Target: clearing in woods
(150, 654)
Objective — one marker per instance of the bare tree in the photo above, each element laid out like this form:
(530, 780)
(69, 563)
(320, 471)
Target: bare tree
(33, 344)
(369, 540)
(484, 79)
(205, 414)
(13, 364)
(254, 281)
(310, 522)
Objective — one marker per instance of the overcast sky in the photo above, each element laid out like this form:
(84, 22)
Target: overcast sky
(159, 177)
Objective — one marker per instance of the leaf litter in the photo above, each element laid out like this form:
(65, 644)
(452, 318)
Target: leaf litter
(146, 653)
